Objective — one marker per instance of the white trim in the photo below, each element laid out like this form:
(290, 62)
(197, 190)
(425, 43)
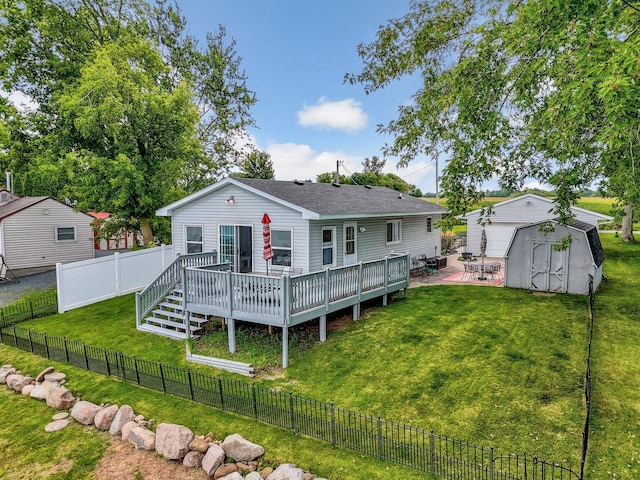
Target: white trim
(349, 258)
(333, 246)
(273, 247)
(186, 237)
(394, 221)
(56, 238)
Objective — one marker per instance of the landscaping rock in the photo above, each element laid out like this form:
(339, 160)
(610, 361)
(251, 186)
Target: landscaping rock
(126, 429)
(241, 450)
(266, 472)
(142, 438)
(41, 390)
(83, 412)
(56, 377)
(16, 381)
(26, 390)
(125, 414)
(193, 459)
(5, 371)
(40, 377)
(224, 470)
(172, 441)
(60, 398)
(287, 471)
(61, 416)
(104, 417)
(214, 457)
(232, 476)
(199, 444)
(57, 425)
(253, 476)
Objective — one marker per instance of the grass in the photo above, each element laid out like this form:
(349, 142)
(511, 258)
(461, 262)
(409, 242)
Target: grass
(495, 367)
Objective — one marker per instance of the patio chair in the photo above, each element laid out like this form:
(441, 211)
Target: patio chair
(431, 266)
(276, 270)
(470, 271)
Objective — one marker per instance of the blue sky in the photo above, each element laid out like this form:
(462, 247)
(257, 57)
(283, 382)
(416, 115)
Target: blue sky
(295, 55)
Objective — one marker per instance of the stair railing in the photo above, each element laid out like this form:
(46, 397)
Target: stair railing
(147, 299)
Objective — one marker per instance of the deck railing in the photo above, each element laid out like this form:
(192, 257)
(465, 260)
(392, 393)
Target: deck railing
(282, 300)
(167, 280)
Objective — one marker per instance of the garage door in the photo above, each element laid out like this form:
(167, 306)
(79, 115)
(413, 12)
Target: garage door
(498, 238)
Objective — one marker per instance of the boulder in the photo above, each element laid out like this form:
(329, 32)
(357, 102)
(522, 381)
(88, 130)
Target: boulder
(232, 476)
(83, 412)
(5, 371)
(104, 417)
(26, 390)
(126, 429)
(172, 441)
(142, 438)
(193, 459)
(17, 381)
(287, 471)
(224, 470)
(123, 415)
(56, 377)
(199, 444)
(241, 450)
(214, 457)
(41, 390)
(40, 377)
(57, 425)
(253, 476)
(60, 398)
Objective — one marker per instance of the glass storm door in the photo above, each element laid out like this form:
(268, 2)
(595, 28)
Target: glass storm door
(350, 237)
(236, 247)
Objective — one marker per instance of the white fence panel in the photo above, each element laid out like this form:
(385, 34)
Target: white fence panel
(90, 281)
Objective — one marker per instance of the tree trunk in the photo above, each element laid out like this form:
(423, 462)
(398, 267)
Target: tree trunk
(627, 223)
(147, 233)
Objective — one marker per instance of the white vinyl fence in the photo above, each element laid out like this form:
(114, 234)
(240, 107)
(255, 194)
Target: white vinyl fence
(91, 281)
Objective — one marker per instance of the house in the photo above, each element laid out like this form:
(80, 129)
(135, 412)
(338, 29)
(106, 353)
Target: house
(534, 262)
(38, 232)
(515, 212)
(122, 239)
(314, 226)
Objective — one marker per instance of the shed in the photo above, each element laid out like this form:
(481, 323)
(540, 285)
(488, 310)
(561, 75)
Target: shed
(38, 232)
(514, 212)
(534, 262)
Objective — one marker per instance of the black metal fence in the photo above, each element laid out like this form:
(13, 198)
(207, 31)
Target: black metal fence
(436, 454)
(587, 381)
(27, 309)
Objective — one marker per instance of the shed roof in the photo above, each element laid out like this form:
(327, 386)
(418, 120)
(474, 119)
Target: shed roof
(324, 200)
(18, 204)
(533, 196)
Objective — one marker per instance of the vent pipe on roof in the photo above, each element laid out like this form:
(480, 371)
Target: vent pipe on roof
(298, 182)
(9, 186)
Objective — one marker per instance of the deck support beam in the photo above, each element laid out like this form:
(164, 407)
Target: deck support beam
(285, 346)
(356, 311)
(231, 325)
(323, 328)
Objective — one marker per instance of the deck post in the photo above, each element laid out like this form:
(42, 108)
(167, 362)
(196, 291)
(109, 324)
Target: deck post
(408, 267)
(327, 293)
(386, 281)
(230, 292)
(356, 307)
(323, 328)
(187, 322)
(285, 346)
(231, 332)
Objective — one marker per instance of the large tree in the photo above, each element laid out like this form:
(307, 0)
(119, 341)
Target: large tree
(51, 49)
(516, 90)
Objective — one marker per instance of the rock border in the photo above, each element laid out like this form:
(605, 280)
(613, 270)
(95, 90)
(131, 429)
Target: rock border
(234, 458)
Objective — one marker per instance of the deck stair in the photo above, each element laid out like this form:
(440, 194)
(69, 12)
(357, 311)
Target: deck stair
(167, 318)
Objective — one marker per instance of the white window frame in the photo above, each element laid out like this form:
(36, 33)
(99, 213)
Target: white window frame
(65, 240)
(276, 247)
(332, 246)
(396, 234)
(187, 241)
(429, 225)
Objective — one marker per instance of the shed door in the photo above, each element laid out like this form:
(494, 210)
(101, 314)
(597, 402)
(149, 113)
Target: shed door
(548, 268)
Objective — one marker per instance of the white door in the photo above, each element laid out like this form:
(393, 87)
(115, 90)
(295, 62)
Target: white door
(350, 236)
(548, 268)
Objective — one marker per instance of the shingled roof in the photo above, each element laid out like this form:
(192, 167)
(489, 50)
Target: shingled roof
(18, 204)
(325, 200)
(593, 238)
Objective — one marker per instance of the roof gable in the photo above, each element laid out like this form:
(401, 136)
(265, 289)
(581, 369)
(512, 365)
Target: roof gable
(23, 203)
(323, 200)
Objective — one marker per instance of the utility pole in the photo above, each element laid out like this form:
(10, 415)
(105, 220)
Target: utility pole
(337, 172)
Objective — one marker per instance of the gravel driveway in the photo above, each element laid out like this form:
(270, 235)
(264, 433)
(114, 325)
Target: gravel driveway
(12, 291)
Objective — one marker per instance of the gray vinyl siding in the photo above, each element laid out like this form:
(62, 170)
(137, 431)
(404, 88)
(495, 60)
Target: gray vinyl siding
(211, 211)
(29, 236)
(372, 244)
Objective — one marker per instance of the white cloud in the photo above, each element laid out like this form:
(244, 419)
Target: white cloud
(22, 102)
(293, 161)
(537, 185)
(344, 115)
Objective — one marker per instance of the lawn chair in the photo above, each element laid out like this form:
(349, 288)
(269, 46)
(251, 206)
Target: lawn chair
(431, 266)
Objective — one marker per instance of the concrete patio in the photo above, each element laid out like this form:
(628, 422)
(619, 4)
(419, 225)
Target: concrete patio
(452, 275)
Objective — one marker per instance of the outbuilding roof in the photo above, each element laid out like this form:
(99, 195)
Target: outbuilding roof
(324, 200)
(18, 204)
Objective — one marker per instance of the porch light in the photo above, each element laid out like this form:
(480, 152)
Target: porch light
(362, 229)
(230, 200)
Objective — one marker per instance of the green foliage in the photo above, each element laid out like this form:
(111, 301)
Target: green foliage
(257, 165)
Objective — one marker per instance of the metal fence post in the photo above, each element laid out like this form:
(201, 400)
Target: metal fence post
(124, 370)
(31, 308)
(106, 361)
(86, 357)
(492, 465)
(164, 387)
(30, 341)
(190, 383)
(380, 449)
(291, 412)
(432, 452)
(15, 336)
(135, 366)
(334, 435)
(255, 401)
(220, 392)
(66, 349)
(46, 345)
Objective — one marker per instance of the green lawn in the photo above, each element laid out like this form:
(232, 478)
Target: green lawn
(491, 366)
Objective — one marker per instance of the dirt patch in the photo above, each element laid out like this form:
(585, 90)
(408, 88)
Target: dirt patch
(122, 461)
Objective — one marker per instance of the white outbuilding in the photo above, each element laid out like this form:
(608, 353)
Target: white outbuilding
(535, 261)
(513, 213)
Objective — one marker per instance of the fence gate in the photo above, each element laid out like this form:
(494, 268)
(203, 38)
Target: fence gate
(548, 267)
